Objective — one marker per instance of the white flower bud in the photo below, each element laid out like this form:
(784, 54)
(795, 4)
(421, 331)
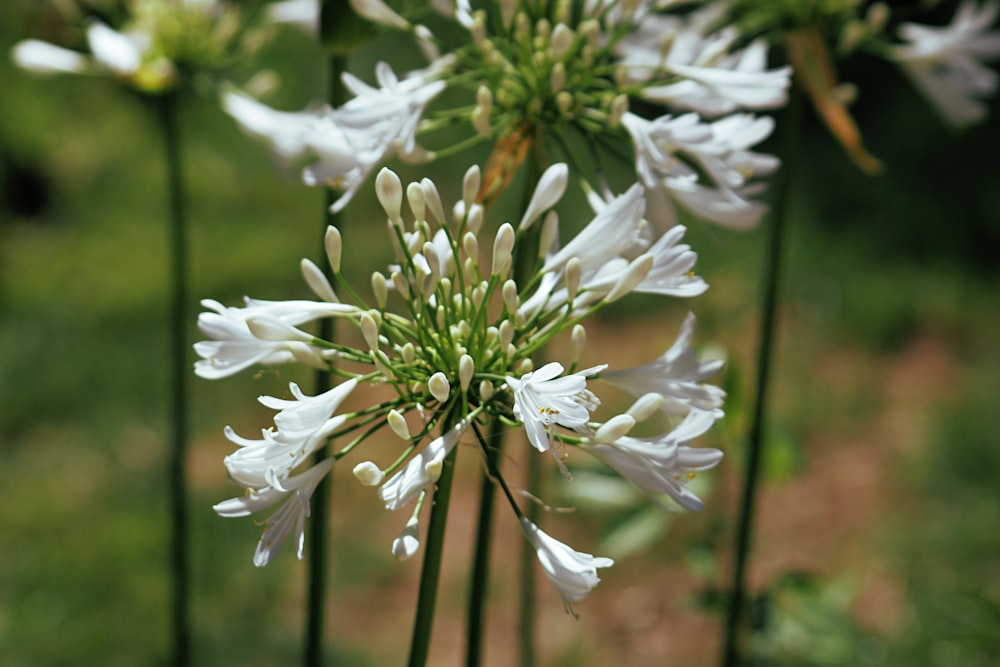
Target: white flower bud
(485, 390)
(479, 293)
(506, 333)
(577, 341)
(397, 422)
(470, 185)
(401, 284)
(334, 246)
(389, 191)
(433, 199)
(646, 406)
(377, 11)
(510, 299)
(507, 9)
(503, 245)
(469, 270)
(550, 189)
(415, 197)
(619, 106)
(439, 387)
(615, 428)
(380, 289)
(481, 122)
(368, 473)
(475, 219)
(408, 353)
(562, 40)
(550, 231)
(524, 366)
(466, 369)
(471, 245)
(407, 544)
(564, 102)
(369, 331)
(634, 274)
(317, 281)
(433, 260)
(382, 365)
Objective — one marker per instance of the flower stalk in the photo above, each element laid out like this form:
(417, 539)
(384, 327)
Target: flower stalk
(770, 289)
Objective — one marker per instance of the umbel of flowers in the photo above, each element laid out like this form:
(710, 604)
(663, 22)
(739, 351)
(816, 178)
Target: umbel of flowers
(541, 78)
(451, 337)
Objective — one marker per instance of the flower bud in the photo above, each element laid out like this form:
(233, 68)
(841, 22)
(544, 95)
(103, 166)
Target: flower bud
(572, 278)
(557, 78)
(646, 406)
(415, 197)
(408, 353)
(401, 284)
(433, 199)
(562, 40)
(369, 331)
(550, 189)
(485, 390)
(439, 387)
(466, 369)
(577, 341)
(619, 105)
(471, 245)
(380, 289)
(397, 422)
(407, 544)
(510, 300)
(475, 219)
(389, 191)
(317, 281)
(550, 230)
(615, 428)
(470, 185)
(634, 274)
(503, 245)
(368, 473)
(506, 333)
(334, 245)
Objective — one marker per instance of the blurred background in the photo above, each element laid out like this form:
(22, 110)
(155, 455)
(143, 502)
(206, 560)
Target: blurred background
(877, 541)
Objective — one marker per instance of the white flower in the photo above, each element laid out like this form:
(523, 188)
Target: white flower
(301, 13)
(543, 399)
(945, 63)
(677, 375)
(234, 347)
(663, 464)
(43, 58)
(303, 424)
(574, 573)
(290, 517)
(421, 471)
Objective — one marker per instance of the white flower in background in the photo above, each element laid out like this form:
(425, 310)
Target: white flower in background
(677, 375)
(574, 573)
(662, 465)
(301, 13)
(945, 63)
(543, 399)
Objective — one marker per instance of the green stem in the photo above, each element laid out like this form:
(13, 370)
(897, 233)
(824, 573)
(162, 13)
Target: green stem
(433, 551)
(481, 558)
(169, 120)
(312, 655)
(755, 440)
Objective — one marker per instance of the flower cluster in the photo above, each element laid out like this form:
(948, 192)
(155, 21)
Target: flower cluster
(539, 77)
(451, 336)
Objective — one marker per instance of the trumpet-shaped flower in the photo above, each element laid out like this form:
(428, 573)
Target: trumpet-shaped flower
(421, 471)
(662, 465)
(234, 346)
(677, 375)
(542, 399)
(945, 63)
(573, 572)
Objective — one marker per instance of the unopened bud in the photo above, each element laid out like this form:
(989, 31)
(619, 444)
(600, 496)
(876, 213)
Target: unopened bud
(485, 390)
(573, 272)
(646, 406)
(562, 40)
(380, 289)
(408, 353)
(470, 185)
(475, 219)
(550, 230)
(564, 102)
(368, 473)
(471, 245)
(506, 333)
(433, 199)
(439, 387)
(577, 341)
(389, 191)
(510, 300)
(401, 284)
(615, 428)
(619, 105)
(550, 189)
(503, 245)
(557, 78)
(466, 369)
(317, 281)
(369, 331)
(397, 422)
(415, 197)
(635, 273)
(334, 246)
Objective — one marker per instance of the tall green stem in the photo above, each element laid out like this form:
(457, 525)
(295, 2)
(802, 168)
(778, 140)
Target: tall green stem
(755, 439)
(320, 505)
(481, 557)
(430, 574)
(177, 483)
